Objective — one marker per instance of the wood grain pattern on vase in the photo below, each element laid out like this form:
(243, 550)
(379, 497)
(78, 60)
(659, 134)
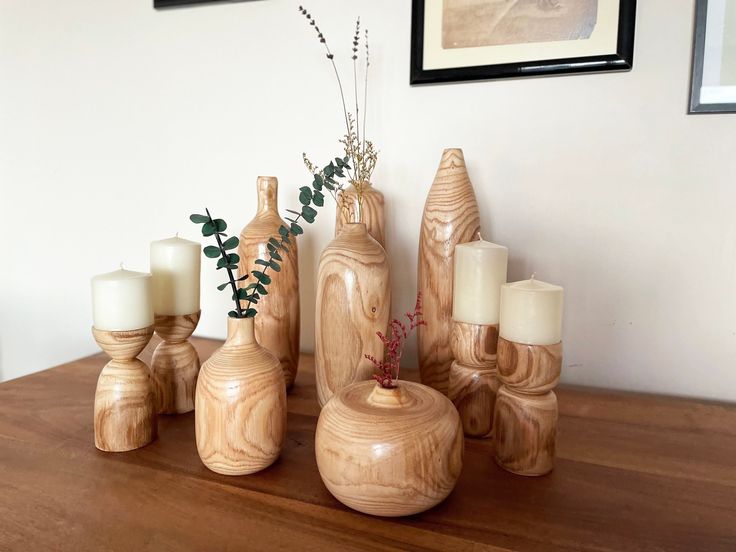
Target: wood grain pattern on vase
(450, 217)
(240, 406)
(353, 303)
(125, 398)
(175, 363)
(389, 452)
(525, 431)
(374, 216)
(529, 368)
(473, 392)
(277, 323)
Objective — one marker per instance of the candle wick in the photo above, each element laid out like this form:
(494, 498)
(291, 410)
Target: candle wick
(480, 236)
(534, 275)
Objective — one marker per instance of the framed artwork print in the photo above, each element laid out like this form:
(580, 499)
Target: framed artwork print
(172, 3)
(713, 88)
(462, 40)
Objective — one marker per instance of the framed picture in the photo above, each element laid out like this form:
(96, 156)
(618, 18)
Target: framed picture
(462, 40)
(713, 88)
(172, 3)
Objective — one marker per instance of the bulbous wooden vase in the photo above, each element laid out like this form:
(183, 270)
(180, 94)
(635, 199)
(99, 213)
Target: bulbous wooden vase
(373, 212)
(389, 452)
(277, 323)
(353, 303)
(240, 404)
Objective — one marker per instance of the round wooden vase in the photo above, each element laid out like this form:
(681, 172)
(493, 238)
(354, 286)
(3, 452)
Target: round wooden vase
(277, 323)
(389, 452)
(450, 217)
(373, 212)
(353, 303)
(240, 404)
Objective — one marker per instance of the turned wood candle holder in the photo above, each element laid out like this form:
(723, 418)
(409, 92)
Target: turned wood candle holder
(175, 363)
(473, 376)
(525, 419)
(125, 398)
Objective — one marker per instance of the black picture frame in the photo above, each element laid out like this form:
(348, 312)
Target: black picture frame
(158, 4)
(621, 60)
(696, 81)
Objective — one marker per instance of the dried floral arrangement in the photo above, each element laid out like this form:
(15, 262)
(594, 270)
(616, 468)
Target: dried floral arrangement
(358, 150)
(398, 331)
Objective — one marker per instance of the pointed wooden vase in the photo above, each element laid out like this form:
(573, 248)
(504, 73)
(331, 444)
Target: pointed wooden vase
(353, 303)
(450, 217)
(277, 323)
(240, 404)
(389, 452)
(372, 210)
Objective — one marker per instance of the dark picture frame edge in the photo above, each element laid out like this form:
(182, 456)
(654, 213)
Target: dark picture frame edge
(622, 60)
(159, 4)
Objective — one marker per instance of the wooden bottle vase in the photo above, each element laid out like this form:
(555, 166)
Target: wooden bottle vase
(175, 363)
(125, 398)
(389, 452)
(277, 323)
(473, 376)
(353, 303)
(373, 212)
(240, 405)
(450, 217)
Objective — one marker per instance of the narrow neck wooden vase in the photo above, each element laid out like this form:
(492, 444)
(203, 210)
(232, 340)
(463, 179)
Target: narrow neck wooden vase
(353, 303)
(277, 323)
(389, 452)
(240, 404)
(450, 217)
(125, 399)
(473, 376)
(373, 214)
(175, 363)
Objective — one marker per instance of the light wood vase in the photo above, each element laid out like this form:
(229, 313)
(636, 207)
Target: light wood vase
(353, 303)
(175, 363)
(525, 419)
(389, 452)
(450, 217)
(474, 377)
(125, 399)
(240, 406)
(374, 216)
(277, 323)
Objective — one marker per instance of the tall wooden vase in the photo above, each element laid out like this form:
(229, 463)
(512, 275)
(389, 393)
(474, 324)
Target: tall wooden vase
(450, 217)
(240, 404)
(373, 212)
(353, 303)
(277, 323)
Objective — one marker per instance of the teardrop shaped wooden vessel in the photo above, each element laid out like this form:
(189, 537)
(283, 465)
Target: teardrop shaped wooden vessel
(240, 406)
(374, 216)
(450, 217)
(277, 323)
(353, 303)
(389, 452)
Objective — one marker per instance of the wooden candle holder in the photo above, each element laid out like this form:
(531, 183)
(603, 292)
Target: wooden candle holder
(175, 363)
(525, 420)
(125, 398)
(473, 376)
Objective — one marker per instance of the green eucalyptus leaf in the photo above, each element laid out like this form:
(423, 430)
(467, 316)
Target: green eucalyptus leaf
(296, 229)
(261, 262)
(233, 314)
(308, 213)
(319, 199)
(222, 262)
(274, 242)
(261, 289)
(208, 229)
(233, 258)
(275, 255)
(232, 266)
(250, 313)
(305, 199)
(212, 252)
(275, 266)
(199, 219)
(231, 243)
(284, 232)
(318, 182)
(223, 286)
(243, 277)
(220, 224)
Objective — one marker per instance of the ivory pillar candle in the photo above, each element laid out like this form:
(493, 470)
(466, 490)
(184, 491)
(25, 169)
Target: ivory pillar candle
(480, 271)
(121, 300)
(175, 266)
(531, 312)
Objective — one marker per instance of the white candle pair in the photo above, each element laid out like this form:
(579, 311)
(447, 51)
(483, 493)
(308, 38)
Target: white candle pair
(126, 300)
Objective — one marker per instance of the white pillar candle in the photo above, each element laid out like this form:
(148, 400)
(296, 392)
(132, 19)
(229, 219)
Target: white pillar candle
(121, 300)
(480, 271)
(175, 265)
(531, 312)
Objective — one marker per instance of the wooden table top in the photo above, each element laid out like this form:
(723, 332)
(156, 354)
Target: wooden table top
(633, 472)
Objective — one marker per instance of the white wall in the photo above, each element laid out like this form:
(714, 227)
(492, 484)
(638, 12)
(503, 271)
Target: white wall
(119, 121)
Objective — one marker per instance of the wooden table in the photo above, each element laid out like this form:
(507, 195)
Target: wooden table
(633, 473)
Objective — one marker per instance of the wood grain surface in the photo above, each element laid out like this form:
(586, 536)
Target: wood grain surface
(529, 368)
(176, 328)
(633, 473)
(474, 344)
(450, 217)
(473, 392)
(240, 407)
(125, 345)
(389, 452)
(353, 303)
(374, 215)
(277, 323)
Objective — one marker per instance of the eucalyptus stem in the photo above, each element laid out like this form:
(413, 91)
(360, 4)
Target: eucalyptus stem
(230, 275)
